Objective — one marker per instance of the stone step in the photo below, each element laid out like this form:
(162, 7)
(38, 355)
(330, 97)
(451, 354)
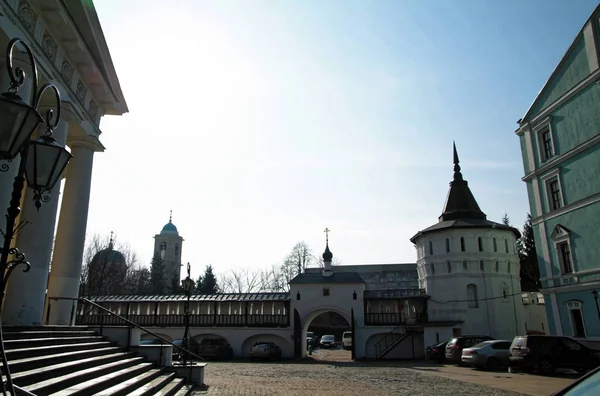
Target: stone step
(29, 377)
(132, 384)
(21, 353)
(40, 342)
(171, 388)
(185, 390)
(153, 386)
(15, 335)
(97, 384)
(30, 363)
(76, 378)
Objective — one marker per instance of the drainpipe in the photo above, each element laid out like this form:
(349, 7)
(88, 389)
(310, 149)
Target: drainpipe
(512, 284)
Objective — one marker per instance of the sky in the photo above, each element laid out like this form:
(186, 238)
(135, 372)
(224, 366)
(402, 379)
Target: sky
(260, 123)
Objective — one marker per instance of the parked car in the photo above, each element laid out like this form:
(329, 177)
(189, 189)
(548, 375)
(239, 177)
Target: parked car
(347, 340)
(265, 350)
(437, 352)
(151, 341)
(327, 341)
(192, 346)
(491, 354)
(215, 348)
(547, 353)
(589, 384)
(457, 344)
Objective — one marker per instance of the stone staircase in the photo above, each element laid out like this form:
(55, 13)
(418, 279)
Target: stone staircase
(61, 361)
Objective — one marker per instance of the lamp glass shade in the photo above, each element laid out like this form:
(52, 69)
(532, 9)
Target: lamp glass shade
(46, 161)
(18, 121)
(188, 285)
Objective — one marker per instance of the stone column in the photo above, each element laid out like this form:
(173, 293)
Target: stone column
(65, 272)
(26, 292)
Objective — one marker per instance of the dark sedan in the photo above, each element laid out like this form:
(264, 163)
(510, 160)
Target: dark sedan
(327, 341)
(437, 352)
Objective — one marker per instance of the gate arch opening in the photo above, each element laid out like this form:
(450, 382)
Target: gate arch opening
(325, 321)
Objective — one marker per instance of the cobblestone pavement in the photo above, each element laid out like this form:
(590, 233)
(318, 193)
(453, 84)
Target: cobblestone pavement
(332, 373)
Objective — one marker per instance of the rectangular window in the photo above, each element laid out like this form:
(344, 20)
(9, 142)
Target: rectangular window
(578, 327)
(325, 291)
(547, 149)
(565, 258)
(554, 197)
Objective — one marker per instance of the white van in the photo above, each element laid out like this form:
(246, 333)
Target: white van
(347, 340)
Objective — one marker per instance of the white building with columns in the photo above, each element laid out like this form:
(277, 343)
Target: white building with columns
(70, 50)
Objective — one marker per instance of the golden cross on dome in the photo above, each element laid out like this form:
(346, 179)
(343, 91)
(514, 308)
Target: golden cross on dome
(327, 231)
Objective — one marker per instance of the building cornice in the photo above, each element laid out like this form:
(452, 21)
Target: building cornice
(567, 208)
(562, 158)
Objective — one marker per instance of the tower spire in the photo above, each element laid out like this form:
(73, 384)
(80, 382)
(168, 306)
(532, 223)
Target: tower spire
(171, 216)
(327, 255)
(457, 174)
(111, 243)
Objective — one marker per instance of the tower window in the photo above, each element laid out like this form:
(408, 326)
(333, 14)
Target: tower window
(432, 269)
(495, 244)
(508, 267)
(497, 266)
(480, 243)
(447, 245)
(465, 265)
(506, 245)
(565, 258)
(481, 266)
(325, 291)
(430, 247)
(462, 244)
(176, 249)
(449, 265)
(554, 194)
(472, 300)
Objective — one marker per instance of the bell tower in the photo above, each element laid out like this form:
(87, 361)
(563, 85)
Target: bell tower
(168, 246)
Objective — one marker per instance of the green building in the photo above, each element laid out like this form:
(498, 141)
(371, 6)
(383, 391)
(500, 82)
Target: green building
(559, 137)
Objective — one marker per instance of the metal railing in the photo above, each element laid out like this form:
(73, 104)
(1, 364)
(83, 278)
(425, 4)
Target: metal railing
(393, 319)
(391, 339)
(122, 320)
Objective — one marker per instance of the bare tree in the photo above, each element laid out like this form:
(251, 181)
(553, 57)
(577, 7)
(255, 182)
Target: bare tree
(241, 281)
(108, 267)
(300, 257)
(321, 264)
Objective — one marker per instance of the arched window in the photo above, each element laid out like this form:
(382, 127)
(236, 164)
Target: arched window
(472, 300)
(506, 245)
(447, 245)
(480, 243)
(497, 266)
(508, 270)
(481, 266)
(163, 250)
(504, 292)
(462, 244)
(465, 265)
(449, 267)
(430, 247)
(495, 244)
(176, 249)
(432, 269)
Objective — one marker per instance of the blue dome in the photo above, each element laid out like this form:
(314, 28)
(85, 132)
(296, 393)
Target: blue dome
(169, 227)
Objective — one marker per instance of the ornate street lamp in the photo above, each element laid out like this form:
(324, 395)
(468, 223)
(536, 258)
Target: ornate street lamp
(188, 287)
(42, 163)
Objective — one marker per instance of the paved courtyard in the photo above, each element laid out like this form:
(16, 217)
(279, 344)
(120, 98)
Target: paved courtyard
(332, 373)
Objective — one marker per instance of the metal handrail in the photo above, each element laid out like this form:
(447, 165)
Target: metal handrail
(85, 300)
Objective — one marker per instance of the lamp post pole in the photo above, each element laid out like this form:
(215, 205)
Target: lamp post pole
(42, 162)
(188, 286)
(595, 295)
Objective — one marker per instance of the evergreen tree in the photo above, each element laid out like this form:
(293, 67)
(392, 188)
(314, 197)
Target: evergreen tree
(528, 258)
(157, 275)
(208, 284)
(505, 219)
(198, 283)
(175, 287)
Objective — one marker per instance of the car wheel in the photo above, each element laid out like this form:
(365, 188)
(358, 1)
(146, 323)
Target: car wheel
(545, 366)
(493, 363)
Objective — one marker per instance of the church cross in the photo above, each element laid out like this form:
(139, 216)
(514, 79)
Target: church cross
(327, 231)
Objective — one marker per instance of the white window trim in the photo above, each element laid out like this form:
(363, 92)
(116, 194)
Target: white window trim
(573, 305)
(547, 178)
(539, 129)
(557, 240)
